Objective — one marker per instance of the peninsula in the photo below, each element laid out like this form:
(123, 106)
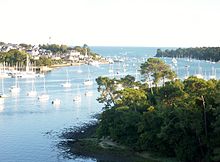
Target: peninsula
(47, 56)
(203, 53)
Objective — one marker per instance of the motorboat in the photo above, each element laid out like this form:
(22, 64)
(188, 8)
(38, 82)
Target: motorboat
(88, 93)
(66, 84)
(56, 101)
(94, 63)
(43, 97)
(77, 98)
(88, 82)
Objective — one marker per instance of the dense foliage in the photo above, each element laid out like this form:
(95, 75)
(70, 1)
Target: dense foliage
(55, 48)
(203, 53)
(63, 49)
(180, 119)
(156, 69)
(85, 50)
(13, 57)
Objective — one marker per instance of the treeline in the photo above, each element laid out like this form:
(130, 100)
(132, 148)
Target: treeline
(55, 48)
(179, 119)
(203, 53)
(63, 49)
(14, 57)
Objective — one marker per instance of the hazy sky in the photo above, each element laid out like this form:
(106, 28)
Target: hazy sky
(172, 23)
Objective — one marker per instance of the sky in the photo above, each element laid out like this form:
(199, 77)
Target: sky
(149, 23)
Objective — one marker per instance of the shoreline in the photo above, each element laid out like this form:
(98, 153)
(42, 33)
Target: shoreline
(83, 142)
(52, 67)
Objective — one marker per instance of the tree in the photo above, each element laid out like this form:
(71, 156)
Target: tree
(135, 99)
(156, 69)
(172, 93)
(205, 53)
(107, 88)
(181, 119)
(13, 57)
(44, 61)
(26, 46)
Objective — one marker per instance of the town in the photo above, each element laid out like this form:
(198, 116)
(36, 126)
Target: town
(53, 55)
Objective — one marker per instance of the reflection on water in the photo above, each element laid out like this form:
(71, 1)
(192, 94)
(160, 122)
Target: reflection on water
(1, 105)
(24, 120)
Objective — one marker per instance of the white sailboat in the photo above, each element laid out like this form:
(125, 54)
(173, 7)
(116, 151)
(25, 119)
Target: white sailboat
(111, 69)
(2, 101)
(187, 72)
(213, 75)
(3, 73)
(3, 95)
(77, 98)
(88, 81)
(199, 74)
(33, 91)
(174, 61)
(67, 84)
(44, 96)
(27, 73)
(15, 89)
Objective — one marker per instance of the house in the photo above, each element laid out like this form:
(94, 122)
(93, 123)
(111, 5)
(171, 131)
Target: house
(74, 53)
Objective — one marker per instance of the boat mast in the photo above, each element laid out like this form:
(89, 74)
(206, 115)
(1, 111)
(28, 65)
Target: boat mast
(44, 86)
(3, 86)
(27, 62)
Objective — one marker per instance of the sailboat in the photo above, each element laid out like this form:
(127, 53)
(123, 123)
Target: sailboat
(199, 74)
(33, 91)
(3, 73)
(174, 61)
(67, 84)
(88, 81)
(15, 88)
(3, 95)
(77, 98)
(213, 75)
(2, 101)
(44, 96)
(111, 70)
(27, 73)
(187, 72)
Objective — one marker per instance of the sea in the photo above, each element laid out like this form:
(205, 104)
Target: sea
(30, 129)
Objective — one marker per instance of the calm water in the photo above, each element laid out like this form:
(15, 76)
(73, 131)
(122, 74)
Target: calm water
(29, 128)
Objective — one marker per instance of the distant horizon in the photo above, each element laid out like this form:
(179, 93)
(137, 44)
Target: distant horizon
(114, 45)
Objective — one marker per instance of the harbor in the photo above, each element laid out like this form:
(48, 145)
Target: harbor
(25, 117)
